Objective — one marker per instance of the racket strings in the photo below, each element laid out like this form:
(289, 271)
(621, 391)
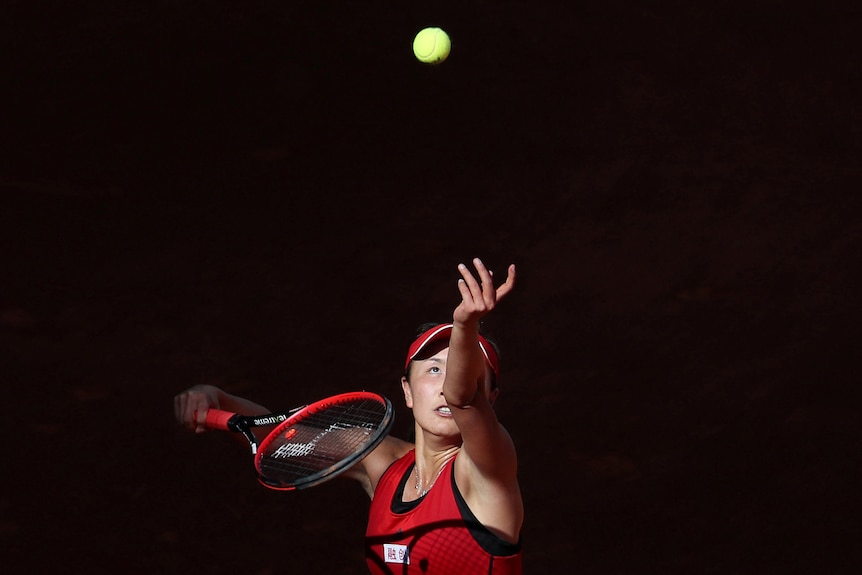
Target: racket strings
(321, 440)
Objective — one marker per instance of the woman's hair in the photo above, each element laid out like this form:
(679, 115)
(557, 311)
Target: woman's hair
(428, 325)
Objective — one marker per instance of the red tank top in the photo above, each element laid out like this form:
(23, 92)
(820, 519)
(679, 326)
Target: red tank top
(435, 535)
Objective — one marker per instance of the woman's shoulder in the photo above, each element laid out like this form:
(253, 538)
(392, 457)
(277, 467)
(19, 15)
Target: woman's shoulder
(391, 450)
(374, 465)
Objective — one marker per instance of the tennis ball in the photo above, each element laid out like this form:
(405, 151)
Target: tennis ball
(431, 45)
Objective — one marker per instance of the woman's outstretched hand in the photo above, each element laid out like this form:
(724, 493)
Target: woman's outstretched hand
(479, 297)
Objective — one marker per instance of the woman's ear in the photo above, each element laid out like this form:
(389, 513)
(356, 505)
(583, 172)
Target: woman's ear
(408, 396)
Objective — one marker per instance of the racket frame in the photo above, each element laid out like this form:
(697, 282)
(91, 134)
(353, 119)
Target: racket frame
(229, 421)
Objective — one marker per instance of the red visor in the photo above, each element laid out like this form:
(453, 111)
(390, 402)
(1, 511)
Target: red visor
(443, 331)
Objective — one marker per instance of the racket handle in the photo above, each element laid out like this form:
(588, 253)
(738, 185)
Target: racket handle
(218, 419)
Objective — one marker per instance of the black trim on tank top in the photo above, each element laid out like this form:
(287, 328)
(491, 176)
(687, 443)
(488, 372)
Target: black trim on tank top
(491, 543)
(398, 503)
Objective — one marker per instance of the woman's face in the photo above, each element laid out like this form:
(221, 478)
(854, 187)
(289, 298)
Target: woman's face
(423, 392)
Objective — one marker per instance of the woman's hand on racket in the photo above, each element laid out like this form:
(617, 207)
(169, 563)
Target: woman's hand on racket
(192, 405)
(478, 297)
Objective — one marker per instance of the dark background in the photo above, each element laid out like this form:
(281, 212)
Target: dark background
(271, 196)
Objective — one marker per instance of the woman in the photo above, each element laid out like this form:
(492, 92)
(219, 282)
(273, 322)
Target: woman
(449, 503)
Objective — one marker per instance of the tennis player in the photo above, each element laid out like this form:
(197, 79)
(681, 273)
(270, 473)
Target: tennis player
(450, 503)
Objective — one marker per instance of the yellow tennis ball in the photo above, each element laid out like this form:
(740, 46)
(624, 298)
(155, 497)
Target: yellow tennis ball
(431, 45)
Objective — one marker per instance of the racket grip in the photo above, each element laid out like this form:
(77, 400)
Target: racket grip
(218, 419)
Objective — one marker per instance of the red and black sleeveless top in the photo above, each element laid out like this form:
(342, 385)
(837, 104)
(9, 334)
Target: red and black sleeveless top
(434, 535)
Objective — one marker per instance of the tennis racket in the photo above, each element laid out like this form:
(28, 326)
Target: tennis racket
(313, 443)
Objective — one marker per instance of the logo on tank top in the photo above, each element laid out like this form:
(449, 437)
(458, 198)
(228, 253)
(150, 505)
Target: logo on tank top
(396, 554)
